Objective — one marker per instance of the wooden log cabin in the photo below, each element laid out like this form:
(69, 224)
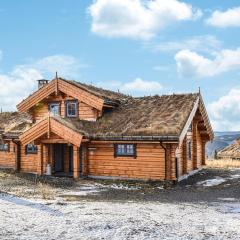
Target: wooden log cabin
(67, 128)
(231, 152)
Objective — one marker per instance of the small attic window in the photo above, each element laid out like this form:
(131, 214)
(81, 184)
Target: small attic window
(71, 109)
(54, 108)
(190, 128)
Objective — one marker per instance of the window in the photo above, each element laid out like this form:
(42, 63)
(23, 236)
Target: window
(190, 128)
(31, 149)
(4, 147)
(189, 150)
(71, 109)
(128, 150)
(54, 108)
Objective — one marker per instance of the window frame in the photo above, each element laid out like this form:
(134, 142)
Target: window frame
(56, 104)
(28, 151)
(125, 146)
(75, 102)
(2, 149)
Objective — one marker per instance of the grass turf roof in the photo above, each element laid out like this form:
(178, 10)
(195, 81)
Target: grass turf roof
(147, 116)
(144, 116)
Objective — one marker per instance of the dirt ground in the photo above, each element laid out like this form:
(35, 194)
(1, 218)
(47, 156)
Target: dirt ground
(205, 206)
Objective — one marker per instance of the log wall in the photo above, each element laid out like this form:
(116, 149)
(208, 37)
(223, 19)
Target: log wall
(8, 158)
(29, 162)
(149, 164)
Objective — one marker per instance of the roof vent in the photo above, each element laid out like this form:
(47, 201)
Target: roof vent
(42, 82)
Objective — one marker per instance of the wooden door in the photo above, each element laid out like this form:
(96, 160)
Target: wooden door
(58, 155)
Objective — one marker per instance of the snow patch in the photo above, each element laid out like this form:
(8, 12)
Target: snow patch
(16, 201)
(123, 187)
(83, 190)
(235, 176)
(212, 182)
(227, 199)
(230, 208)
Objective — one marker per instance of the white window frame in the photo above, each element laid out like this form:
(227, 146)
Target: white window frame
(125, 150)
(67, 106)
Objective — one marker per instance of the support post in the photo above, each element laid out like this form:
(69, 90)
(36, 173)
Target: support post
(168, 162)
(85, 160)
(76, 162)
(194, 144)
(203, 153)
(40, 160)
(184, 156)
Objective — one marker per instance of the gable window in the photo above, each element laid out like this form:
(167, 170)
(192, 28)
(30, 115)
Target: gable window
(31, 149)
(4, 147)
(189, 149)
(54, 108)
(71, 109)
(190, 128)
(128, 150)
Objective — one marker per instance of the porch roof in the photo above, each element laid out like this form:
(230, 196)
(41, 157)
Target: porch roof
(52, 124)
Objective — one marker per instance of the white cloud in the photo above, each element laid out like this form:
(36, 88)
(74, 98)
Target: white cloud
(162, 68)
(136, 87)
(21, 81)
(16, 85)
(143, 86)
(191, 64)
(223, 19)
(65, 65)
(138, 19)
(200, 43)
(225, 112)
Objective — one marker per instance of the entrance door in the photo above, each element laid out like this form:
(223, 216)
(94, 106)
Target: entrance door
(58, 154)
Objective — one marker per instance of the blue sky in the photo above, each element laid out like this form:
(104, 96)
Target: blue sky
(137, 46)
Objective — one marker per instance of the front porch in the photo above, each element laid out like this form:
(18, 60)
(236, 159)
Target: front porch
(62, 160)
(61, 147)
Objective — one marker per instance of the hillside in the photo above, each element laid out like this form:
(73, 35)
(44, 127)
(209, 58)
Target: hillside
(221, 140)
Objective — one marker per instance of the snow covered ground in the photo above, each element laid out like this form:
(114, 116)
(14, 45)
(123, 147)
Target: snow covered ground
(206, 206)
(31, 219)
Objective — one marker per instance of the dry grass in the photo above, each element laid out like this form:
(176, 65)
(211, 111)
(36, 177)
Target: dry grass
(223, 163)
(46, 192)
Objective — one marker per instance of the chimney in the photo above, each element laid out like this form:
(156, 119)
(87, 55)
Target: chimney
(42, 82)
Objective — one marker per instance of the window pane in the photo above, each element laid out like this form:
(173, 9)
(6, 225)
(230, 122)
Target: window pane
(120, 149)
(54, 109)
(129, 149)
(71, 109)
(125, 149)
(189, 150)
(31, 148)
(4, 147)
